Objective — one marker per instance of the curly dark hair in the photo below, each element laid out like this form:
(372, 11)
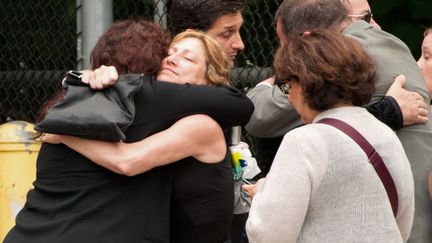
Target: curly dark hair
(330, 68)
(132, 46)
(200, 14)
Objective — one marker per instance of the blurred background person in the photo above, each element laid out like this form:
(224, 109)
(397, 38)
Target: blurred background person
(425, 60)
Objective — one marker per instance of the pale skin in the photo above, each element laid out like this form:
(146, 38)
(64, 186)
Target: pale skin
(185, 63)
(425, 61)
(197, 136)
(173, 144)
(225, 30)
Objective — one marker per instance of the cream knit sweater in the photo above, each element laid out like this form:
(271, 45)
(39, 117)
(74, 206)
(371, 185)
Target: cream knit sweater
(321, 187)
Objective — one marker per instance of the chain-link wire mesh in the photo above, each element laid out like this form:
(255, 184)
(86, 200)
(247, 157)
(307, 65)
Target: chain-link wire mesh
(38, 43)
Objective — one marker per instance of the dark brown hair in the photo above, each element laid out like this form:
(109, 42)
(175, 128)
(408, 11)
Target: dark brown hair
(132, 46)
(330, 68)
(200, 14)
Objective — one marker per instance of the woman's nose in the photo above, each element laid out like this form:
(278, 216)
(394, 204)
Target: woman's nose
(172, 59)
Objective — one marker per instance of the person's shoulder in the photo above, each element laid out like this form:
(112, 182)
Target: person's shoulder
(364, 33)
(309, 134)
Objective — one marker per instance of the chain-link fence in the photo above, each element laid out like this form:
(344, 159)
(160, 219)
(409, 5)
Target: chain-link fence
(38, 43)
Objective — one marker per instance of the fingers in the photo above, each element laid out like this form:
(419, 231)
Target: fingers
(422, 116)
(249, 189)
(396, 88)
(50, 138)
(415, 111)
(420, 119)
(102, 77)
(41, 138)
(45, 138)
(400, 80)
(421, 103)
(85, 75)
(98, 77)
(113, 75)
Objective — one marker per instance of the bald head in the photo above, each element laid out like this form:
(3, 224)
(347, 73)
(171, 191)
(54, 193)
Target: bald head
(297, 16)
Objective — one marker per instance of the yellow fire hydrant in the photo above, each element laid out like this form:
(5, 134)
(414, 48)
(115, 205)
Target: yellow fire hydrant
(18, 153)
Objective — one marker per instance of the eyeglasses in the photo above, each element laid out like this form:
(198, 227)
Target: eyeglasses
(284, 84)
(284, 87)
(366, 16)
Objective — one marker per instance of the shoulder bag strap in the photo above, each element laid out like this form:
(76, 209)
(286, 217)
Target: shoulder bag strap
(373, 156)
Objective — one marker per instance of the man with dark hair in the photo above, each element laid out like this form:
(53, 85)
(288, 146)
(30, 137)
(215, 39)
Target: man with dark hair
(221, 20)
(392, 56)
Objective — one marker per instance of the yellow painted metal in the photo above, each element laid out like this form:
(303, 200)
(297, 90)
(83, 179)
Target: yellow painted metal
(18, 153)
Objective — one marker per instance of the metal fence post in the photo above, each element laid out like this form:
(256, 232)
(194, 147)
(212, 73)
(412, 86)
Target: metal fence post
(160, 12)
(95, 17)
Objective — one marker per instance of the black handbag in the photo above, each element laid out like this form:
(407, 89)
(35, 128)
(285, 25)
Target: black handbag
(96, 114)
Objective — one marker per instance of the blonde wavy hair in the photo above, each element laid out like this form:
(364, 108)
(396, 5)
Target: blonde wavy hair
(217, 64)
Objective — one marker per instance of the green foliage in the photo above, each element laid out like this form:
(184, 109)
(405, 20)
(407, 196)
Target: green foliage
(406, 19)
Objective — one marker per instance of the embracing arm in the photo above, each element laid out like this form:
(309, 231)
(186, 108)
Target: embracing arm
(387, 111)
(400, 107)
(227, 105)
(273, 115)
(198, 136)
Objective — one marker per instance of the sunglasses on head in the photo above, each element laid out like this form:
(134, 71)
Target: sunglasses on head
(366, 16)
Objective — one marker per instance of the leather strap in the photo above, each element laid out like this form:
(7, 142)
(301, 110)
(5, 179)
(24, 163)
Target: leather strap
(373, 156)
